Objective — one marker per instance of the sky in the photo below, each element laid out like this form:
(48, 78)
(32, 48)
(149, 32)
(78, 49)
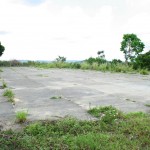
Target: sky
(75, 29)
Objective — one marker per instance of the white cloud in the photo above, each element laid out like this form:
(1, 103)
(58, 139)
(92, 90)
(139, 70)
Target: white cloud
(47, 30)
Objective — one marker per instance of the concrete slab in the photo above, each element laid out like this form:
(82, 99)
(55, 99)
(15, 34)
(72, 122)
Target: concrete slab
(79, 91)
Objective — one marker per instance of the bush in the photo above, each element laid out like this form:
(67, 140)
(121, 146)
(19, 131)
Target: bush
(15, 63)
(142, 61)
(116, 61)
(98, 60)
(144, 72)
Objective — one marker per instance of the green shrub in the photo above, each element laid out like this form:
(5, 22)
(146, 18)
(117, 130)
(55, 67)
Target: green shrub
(142, 61)
(104, 67)
(144, 72)
(85, 66)
(95, 66)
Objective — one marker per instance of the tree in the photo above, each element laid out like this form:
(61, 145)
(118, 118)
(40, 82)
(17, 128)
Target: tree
(101, 54)
(143, 61)
(61, 59)
(131, 47)
(2, 48)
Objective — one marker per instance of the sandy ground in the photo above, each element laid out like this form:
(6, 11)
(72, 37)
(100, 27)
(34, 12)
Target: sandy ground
(79, 90)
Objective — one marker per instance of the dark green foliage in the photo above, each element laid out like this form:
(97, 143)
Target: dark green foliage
(98, 60)
(101, 54)
(2, 48)
(143, 61)
(116, 61)
(131, 46)
(61, 59)
(75, 65)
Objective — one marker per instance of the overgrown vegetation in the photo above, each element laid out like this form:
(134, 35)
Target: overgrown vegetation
(115, 131)
(2, 49)
(9, 94)
(98, 64)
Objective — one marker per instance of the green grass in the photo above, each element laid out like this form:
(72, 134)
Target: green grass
(126, 131)
(148, 105)
(9, 94)
(144, 72)
(21, 116)
(56, 97)
(108, 66)
(4, 85)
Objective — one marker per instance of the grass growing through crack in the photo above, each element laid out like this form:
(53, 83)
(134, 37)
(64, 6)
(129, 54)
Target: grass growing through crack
(4, 85)
(9, 94)
(56, 97)
(21, 116)
(148, 105)
(126, 131)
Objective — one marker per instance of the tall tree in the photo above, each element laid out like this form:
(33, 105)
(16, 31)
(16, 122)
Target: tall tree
(2, 48)
(101, 54)
(131, 46)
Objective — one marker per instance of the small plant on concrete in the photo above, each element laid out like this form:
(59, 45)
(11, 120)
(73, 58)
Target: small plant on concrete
(4, 85)
(21, 116)
(56, 97)
(9, 94)
(147, 105)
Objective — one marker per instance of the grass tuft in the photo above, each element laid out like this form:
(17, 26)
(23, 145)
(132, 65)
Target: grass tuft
(4, 85)
(56, 97)
(148, 105)
(21, 116)
(9, 94)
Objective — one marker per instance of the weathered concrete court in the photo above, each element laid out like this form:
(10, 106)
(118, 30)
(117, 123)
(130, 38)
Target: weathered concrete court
(79, 91)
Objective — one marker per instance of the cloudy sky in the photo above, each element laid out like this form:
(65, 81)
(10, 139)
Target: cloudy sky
(76, 29)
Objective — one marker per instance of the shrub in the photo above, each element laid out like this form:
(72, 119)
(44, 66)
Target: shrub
(15, 62)
(142, 61)
(85, 66)
(144, 72)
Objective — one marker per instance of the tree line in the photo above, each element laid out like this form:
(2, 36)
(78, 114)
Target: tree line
(131, 46)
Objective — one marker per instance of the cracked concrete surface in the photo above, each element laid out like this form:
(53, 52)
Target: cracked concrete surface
(79, 91)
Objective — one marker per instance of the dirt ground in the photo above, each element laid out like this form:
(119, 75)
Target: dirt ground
(75, 91)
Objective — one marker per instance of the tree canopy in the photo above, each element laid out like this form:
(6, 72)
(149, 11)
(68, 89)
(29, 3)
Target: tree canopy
(131, 46)
(2, 48)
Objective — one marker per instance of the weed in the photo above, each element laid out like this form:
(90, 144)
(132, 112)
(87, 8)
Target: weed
(42, 75)
(106, 114)
(4, 85)
(148, 105)
(21, 116)
(56, 97)
(9, 94)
